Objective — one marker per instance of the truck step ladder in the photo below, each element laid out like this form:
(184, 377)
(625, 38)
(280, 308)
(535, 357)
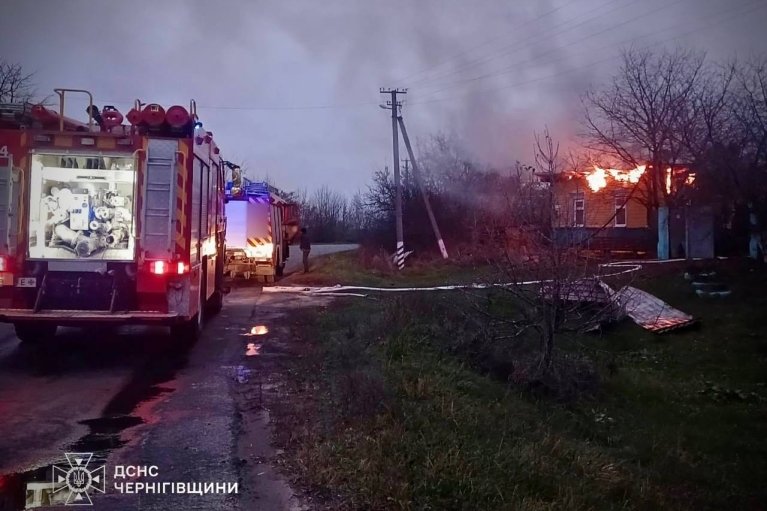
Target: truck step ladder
(160, 196)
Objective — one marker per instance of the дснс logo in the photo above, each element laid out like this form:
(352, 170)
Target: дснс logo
(79, 479)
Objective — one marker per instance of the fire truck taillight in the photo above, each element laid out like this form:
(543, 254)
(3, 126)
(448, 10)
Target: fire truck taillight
(5, 263)
(158, 267)
(166, 268)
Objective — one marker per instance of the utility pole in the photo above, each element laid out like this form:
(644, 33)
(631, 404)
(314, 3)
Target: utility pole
(393, 104)
(419, 181)
(407, 171)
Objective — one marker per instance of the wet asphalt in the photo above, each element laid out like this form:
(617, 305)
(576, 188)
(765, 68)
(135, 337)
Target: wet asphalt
(132, 396)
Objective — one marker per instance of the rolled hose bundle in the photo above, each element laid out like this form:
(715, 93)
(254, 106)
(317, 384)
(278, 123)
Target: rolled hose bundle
(83, 245)
(86, 245)
(114, 237)
(100, 227)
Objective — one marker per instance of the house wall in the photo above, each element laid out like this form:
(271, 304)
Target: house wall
(599, 207)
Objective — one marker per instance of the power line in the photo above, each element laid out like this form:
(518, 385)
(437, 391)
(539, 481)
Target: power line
(485, 43)
(514, 67)
(751, 8)
(130, 103)
(366, 104)
(517, 45)
(286, 107)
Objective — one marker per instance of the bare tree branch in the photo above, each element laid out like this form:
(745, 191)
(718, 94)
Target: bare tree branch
(16, 86)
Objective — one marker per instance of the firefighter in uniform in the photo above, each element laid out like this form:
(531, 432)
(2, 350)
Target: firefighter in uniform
(306, 247)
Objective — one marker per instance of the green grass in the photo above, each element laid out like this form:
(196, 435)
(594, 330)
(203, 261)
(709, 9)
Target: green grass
(404, 418)
(347, 268)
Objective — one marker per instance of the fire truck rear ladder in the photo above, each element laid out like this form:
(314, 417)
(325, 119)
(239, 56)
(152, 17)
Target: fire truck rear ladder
(160, 199)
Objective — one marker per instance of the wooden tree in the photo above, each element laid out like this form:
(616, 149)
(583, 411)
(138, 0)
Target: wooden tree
(16, 86)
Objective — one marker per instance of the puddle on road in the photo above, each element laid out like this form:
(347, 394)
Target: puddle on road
(160, 364)
(105, 433)
(257, 330)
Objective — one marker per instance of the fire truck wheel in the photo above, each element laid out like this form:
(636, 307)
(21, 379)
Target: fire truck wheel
(280, 269)
(215, 303)
(31, 333)
(187, 332)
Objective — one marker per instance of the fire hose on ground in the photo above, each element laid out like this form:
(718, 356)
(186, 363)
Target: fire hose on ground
(647, 310)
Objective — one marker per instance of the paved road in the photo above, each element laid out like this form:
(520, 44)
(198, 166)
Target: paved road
(134, 397)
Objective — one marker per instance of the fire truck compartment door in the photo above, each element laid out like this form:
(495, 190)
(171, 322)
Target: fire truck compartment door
(237, 224)
(9, 205)
(160, 198)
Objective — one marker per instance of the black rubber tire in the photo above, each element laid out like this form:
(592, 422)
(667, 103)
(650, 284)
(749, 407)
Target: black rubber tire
(280, 270)
(31, 333)
(215, 304)
(187, 332)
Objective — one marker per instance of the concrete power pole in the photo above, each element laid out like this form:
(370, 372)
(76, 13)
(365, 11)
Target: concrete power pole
(419, 181)
(407, 171)
(393, 104)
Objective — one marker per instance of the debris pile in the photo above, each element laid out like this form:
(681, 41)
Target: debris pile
(650, 312)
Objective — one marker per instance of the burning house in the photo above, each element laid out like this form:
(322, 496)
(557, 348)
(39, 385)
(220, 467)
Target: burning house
(601, 209)
(611, 210)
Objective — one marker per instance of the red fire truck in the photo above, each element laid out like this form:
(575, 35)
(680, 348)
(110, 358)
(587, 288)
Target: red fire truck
(106, 222)
(260, 229)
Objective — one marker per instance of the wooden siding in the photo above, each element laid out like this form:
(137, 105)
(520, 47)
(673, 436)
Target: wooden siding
(599, 207)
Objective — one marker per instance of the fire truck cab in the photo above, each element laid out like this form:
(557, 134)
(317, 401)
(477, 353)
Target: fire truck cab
(109, 223)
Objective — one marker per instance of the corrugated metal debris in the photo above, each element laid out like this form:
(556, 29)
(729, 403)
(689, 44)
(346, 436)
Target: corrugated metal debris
(585, 290)
(650, 312)
(645, 309)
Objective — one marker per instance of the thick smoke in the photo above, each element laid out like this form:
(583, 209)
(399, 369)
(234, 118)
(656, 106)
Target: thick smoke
(244, 61)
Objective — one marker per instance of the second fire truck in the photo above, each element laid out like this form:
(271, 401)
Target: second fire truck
(261, 227)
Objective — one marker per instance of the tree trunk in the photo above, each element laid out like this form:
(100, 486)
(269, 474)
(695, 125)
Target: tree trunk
(547, 340)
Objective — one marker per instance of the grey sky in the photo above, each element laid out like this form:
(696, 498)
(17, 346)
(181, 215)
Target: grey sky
(291, 87)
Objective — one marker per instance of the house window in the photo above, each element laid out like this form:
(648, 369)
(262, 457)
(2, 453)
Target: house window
(621, 202)
(579, 208)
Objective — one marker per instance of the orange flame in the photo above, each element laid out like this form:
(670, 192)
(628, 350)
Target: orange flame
(598, 178)
(668, 180)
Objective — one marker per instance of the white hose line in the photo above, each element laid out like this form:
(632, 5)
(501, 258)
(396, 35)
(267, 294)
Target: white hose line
(338, 289)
